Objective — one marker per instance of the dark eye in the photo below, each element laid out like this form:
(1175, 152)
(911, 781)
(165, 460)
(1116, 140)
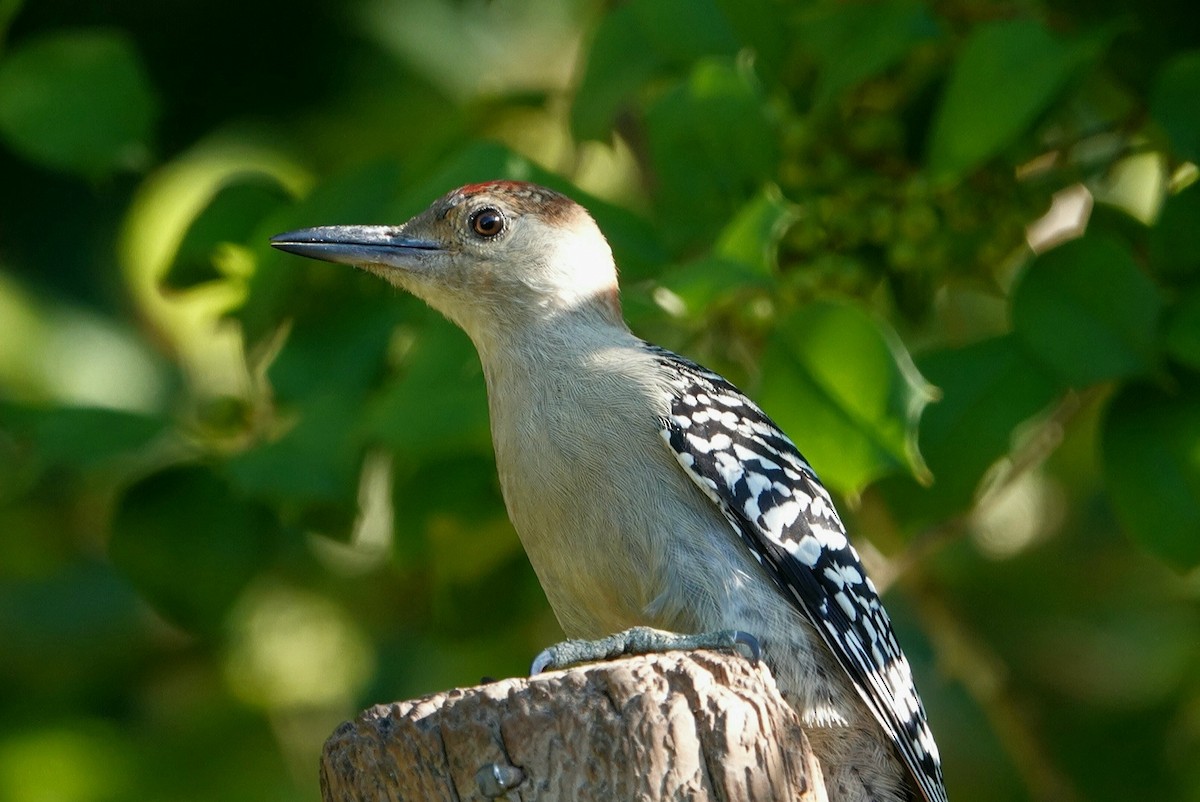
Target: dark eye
(487, 222)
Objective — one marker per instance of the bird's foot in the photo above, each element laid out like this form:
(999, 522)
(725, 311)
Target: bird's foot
(641, 640)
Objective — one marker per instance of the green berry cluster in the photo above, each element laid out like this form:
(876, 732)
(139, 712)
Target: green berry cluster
(871, 214)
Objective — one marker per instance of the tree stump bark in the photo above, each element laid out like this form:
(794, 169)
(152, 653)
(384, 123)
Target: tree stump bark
(697, 726)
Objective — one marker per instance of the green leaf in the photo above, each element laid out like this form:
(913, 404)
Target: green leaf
(477, 161)
(855, 419)
(765, 26)
(1151, 447)
(1183, 330)
(700, 283)
(713, 145)
(1087, 312)
(635, 42)
(704, 32)
(460, 526)
(745, 254)
(80, 620)
(8, 12)
(78, 101)
(1175, 238)
(77, 437)
(281, 284)
(438, 404)
(341, 351)
(189, 545)
(1007, 74)
(322, 377)
(987, 390)
(620, 61)
(1173, 103)
(314, 463)
(335, 354)
(856, 41)
(752, 237)
(233, 216)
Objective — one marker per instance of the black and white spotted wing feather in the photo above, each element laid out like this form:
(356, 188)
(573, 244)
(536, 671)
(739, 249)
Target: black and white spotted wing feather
(784, 515)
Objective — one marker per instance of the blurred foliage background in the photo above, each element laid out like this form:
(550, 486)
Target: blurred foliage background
(953, 247)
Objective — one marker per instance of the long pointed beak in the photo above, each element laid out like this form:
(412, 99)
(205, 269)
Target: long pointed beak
(356, 245)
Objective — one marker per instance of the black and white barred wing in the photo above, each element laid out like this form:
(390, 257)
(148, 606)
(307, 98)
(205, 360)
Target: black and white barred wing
(784, 515)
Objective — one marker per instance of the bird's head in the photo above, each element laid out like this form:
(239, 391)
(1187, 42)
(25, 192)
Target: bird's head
(488, 256)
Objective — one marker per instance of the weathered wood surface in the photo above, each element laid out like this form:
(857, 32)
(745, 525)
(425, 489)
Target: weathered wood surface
(679, 726)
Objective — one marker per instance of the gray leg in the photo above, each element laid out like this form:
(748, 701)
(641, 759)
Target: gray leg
(640, 640)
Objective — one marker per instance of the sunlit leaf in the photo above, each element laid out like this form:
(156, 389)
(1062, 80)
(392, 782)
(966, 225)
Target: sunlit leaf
(1007, 74)
(752, 237)
(700, 283)
(1151, 441)
(231, 217)
(744, 256)
(854, 419)
(1087, 312)
(78, 101)
(189, 544)
(1173, 103)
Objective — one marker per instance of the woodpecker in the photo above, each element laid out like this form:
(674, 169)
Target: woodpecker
(646, 490)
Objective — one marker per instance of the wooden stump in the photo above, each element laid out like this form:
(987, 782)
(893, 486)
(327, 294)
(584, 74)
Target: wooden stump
(695, 726)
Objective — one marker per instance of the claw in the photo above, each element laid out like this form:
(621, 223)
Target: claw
(750, 642)
(544, 659)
